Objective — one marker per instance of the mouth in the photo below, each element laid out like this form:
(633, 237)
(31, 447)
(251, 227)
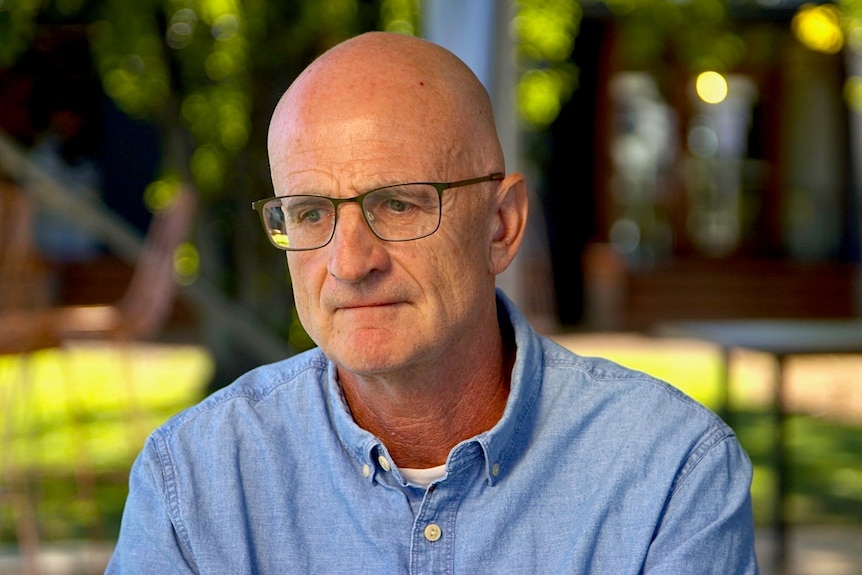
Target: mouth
(371, 300)
(366, 305)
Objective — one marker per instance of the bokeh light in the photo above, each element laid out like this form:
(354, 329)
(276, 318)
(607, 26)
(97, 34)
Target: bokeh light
(400, 16)
(134, 72)
(541, 94)
(547, 29)
(546, 32)
(181, 28)
(819, 28)
(187, 264)
(160, 193)
(703, 141)
(711, 87)
(208, 168)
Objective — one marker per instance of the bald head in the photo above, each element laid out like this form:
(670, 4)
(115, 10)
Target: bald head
(396, 83)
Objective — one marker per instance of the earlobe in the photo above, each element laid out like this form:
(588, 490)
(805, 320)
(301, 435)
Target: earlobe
(509, 221)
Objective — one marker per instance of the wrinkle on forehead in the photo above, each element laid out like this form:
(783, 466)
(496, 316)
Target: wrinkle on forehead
(354, 155)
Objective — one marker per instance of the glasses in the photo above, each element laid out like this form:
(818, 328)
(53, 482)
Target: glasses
(396, 213)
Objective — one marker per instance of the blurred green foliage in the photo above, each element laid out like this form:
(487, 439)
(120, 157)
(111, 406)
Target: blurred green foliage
(545, 32)
(207, 63)
(197, 59)
(209, 72)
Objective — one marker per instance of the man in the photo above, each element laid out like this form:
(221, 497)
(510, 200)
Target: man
(432, 431)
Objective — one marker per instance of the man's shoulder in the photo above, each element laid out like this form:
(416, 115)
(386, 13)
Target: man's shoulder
(595, 401)
(296, 374)
(604, 382)
(263, 380)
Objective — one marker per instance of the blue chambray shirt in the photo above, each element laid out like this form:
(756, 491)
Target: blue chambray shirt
(593, 468)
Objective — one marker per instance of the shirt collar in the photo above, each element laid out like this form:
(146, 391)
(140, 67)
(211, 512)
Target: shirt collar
(503, 443)
(365, 448)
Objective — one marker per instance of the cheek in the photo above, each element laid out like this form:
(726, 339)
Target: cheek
(302, 290)
(471, 248)
(459, 265)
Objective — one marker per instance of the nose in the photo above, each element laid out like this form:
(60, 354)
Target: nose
(354, 252)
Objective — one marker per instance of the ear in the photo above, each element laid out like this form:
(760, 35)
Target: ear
(508, 222)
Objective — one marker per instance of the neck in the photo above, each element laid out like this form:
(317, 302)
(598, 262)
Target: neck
(422, 415)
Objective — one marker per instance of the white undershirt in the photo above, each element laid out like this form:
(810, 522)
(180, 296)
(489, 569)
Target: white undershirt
(423, 477)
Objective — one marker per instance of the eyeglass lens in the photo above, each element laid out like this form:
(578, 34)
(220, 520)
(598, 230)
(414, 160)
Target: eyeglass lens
(394, 213)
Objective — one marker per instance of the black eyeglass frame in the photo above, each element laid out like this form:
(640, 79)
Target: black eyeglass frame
(441, 187)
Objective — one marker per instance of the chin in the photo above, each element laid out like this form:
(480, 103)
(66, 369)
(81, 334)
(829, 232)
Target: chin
(368, 358)
(365, 366)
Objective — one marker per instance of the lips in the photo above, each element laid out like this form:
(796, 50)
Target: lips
(365, 305)
(363, 301)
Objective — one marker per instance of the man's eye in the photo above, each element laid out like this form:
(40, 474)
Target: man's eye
(402, 200)
(397, 205)
(307, 212)
(310, 216)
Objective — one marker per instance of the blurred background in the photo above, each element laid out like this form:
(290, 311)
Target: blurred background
(688, 160)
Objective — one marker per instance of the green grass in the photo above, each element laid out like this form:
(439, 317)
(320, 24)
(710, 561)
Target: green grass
(77, 408)
(74, 420)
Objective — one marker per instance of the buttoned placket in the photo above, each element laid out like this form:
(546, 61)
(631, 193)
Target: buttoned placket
(432, 538)
(432, 535)
(432, 549)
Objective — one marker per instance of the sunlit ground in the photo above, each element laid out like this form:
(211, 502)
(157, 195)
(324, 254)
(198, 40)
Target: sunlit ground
(73, 425)
(73, 421)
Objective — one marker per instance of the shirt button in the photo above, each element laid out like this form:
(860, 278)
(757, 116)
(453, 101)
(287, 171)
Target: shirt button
(366, 470)
(384, 463)
(495, 470)
(433, 532)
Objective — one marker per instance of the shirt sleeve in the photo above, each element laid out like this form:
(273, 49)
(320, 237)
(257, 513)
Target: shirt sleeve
(148, 541)
(708, 525)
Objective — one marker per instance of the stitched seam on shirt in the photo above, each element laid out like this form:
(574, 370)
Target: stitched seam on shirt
(161, 437)
(276, 381)
(525, 413)
(169, 484)
(710, 442)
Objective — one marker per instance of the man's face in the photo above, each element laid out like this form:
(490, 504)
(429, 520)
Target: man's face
(376, 307)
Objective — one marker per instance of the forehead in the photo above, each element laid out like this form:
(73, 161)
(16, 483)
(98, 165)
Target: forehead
(348, 155)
